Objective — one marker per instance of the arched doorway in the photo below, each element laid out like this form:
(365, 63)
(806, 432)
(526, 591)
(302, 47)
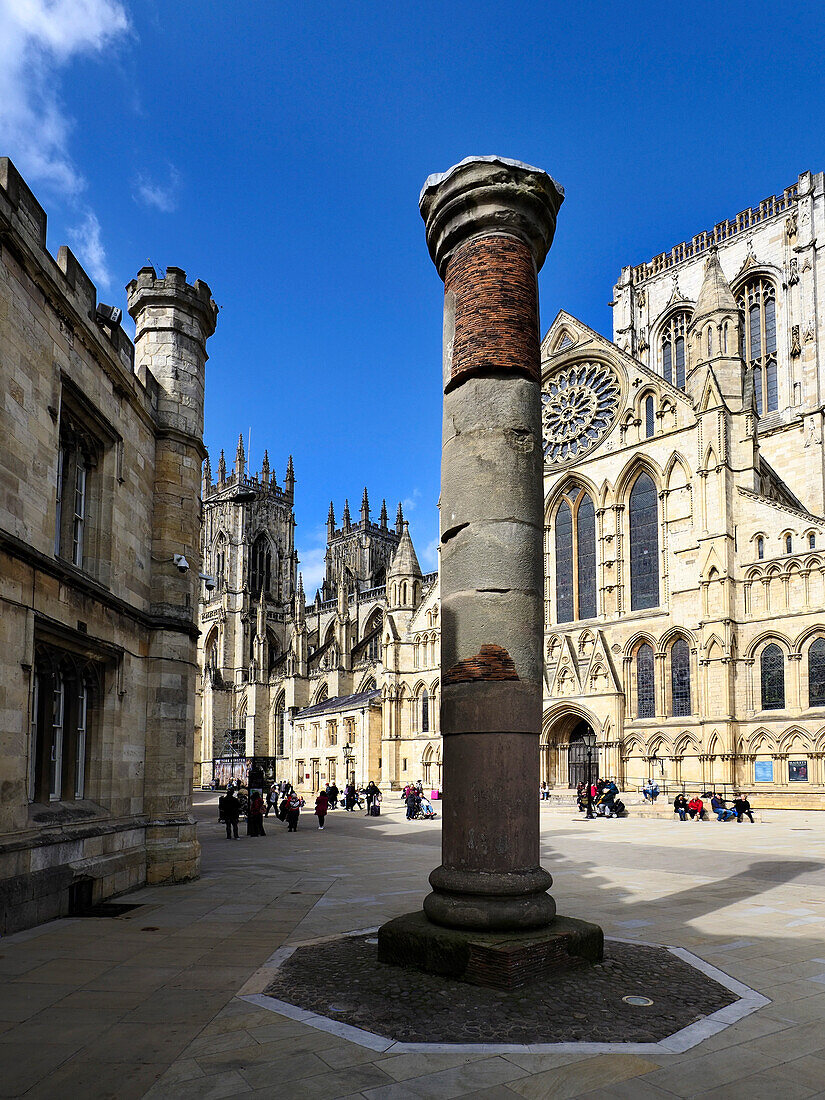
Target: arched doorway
(567, 740)
(582, 756)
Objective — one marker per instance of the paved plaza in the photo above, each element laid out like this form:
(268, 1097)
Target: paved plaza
(152, 1003)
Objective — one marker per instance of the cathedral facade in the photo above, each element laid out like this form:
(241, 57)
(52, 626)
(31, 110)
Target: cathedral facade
(684, 485)
(685, 518)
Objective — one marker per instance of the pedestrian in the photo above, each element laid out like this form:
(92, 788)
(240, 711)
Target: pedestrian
(413, 803)
(272, 799)
(350, 797)
(293, 812)
(723, 812)
(680, 806)
(231, 813)
(333, 796)
(256, 815)
(321, 807)
(371, 797)
(696, 808)
(741, 806)
(543, 791)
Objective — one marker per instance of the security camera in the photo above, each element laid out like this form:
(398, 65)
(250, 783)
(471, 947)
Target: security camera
(108, 315)
(181, 564)
(209, 582)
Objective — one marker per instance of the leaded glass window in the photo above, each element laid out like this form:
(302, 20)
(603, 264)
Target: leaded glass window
(649, 417)
(260, 566)
(757, 300)
(645, 683)
(644, 544)
(760, 548)
(673, 350)
(772, 666)
(680, 678)
(425, 712)
(816, 673)
(575, 557)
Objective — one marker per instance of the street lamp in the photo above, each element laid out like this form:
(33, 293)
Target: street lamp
(348, 758)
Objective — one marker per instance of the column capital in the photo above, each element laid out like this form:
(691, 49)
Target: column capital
(484, 196)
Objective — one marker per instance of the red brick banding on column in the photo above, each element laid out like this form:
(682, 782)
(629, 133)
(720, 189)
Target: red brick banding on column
(492, 662)
(496, 309)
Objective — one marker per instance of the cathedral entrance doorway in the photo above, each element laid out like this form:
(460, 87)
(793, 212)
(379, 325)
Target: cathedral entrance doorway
(582, 746)
(568, 738)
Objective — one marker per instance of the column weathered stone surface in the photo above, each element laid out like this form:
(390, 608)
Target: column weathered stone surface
(490, 223)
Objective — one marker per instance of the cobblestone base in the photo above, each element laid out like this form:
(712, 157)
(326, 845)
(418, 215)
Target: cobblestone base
(344, 980)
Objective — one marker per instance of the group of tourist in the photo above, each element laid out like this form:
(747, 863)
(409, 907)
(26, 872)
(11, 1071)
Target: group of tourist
(602, 798)
(418, 805)
(694, 809)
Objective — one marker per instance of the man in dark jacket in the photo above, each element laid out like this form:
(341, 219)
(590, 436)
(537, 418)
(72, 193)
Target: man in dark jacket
(680, 806)
(741, 807)
(332, 794)
(231, 812)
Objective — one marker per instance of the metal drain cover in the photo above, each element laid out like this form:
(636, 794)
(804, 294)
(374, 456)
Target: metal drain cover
(641, 1001)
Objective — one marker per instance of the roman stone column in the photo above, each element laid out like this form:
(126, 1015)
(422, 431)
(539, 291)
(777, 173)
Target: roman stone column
(490, 222)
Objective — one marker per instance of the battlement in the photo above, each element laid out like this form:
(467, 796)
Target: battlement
(172, 291)
(768, 208)
(65, 283)
(364, 527)
(246, 487)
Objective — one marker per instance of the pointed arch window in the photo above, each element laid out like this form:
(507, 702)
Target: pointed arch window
(220, 561)
(816, 673)
(650, 419)
(645, 682)
(673, 349)
(772, 668)
(760, 548)
(680, 678)
(425, 711)
(260, 568)
(575, 557)
(757, 300)
(644, 544)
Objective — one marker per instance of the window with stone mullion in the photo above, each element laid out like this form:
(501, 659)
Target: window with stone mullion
(645, 682)
(575, 536)
(757, 300)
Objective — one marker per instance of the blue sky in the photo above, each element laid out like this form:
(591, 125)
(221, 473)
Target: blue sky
(276, 150)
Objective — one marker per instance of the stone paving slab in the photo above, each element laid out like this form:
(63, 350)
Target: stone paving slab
(706, 890)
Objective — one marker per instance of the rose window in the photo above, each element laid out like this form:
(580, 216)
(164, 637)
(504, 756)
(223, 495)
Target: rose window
(579, 406)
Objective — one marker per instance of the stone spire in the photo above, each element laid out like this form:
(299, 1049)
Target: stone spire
(206, 476)
(265, 469)
(345, 519)
(365, 508)
(222, 468)
(240, 458)
(289, 483)
(405, 561)
(713, 341)
(399, 519)
(330, 521)
(383, 517)
(300, 601)
(716, 294)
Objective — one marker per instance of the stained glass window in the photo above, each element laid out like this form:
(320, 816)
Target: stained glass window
(644, 544)
(575, 557)
(673, 350)
(773, 678)
(649, 418)
(816, 673)
(758, 301)
(680, 678)
(645, 685)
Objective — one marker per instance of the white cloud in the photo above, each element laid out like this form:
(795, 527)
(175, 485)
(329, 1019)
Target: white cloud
(38, 38)
(162, 196)
(312, 561)
(410, 503)
(429, 556)
(87, 242)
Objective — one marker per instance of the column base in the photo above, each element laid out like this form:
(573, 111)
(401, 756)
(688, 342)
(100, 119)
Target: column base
(502, 960)
(173, 853)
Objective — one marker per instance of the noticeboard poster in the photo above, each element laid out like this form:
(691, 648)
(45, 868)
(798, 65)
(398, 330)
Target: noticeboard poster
(763, 771)
(797, 771)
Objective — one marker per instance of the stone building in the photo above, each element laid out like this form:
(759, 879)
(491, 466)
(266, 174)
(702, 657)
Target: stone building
(100, 450)
(319, 690)
(685, 516)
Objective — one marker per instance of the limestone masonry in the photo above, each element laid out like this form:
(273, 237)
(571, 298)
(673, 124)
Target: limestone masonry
(101, 445)
(684, 542)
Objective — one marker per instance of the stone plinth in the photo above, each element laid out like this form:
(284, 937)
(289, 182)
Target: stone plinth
(502, 960)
